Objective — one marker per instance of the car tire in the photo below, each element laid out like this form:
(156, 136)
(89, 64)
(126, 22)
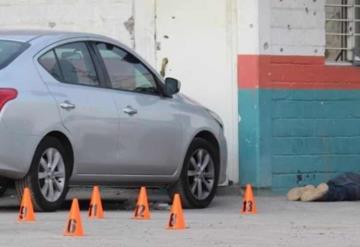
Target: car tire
(48, 176)
(196, 172)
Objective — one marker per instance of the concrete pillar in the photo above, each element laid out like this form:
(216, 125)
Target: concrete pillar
(253, 41)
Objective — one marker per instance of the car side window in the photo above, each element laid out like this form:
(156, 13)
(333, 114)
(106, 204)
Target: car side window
(71, 63)
(126, 72)
(49, 62)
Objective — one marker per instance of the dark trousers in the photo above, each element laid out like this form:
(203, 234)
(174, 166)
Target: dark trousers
(345, 187)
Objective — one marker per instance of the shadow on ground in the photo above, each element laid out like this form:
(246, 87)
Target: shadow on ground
(113, 199)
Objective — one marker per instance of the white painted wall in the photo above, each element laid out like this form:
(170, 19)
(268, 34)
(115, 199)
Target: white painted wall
(254, 32)
(199, 41)
(281, 27)
(201, 46)
(298, 27)
(104, 17)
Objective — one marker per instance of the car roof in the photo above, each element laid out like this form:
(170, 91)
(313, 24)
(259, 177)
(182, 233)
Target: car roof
(28, 35)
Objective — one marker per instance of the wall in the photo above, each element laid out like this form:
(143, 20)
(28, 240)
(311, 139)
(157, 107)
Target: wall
(106, 17)
(200, 45)
(300, 116)
(254, 40)
(114, 18)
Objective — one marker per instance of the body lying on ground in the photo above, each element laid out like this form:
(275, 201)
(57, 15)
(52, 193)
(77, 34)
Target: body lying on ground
(345, 187)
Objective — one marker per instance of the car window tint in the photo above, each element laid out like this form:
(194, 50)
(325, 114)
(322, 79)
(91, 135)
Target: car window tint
(49, 62)
(126, 72)
(76, 64)
(9, 50)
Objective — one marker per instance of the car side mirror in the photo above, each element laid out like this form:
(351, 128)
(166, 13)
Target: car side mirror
(172, 86)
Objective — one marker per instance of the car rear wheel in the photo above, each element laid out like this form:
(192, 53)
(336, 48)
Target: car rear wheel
(199, 177)
(48, 176)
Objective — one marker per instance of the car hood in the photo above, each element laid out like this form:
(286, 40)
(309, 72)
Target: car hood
(187, 100)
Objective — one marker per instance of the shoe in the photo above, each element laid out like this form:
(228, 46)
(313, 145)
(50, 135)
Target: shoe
(315, 193)
(295, 193)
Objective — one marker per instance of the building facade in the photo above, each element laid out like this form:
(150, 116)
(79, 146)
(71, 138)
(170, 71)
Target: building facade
(282, 74)
(299, 92)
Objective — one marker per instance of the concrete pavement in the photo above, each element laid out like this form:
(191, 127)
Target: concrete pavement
(278, 223)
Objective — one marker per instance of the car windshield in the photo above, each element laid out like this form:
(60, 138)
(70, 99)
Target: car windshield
(9, 50)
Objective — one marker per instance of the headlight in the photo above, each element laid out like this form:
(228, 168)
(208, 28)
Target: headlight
(216, 117)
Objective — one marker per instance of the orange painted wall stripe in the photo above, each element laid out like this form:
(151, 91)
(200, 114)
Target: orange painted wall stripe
(248, 71)
(294, 72)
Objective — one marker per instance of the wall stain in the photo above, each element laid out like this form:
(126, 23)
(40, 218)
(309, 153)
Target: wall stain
(52, 24)
(130, 27)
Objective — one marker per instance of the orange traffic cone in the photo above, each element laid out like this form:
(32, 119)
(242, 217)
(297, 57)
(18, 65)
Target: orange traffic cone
(142, 211)
(249, 205)
(95, 209)
(176, 220)
(74, 226)
(26, 212)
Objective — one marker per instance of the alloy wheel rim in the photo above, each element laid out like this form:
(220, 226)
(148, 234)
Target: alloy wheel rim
(51, 174)
(201, 174)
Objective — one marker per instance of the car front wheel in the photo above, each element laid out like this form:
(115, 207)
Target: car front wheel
(48, 176)
(199, 177)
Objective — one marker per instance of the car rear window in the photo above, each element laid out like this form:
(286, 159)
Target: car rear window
(9, 50)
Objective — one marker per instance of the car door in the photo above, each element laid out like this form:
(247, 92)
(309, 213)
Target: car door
(150, 130)
(88, 111)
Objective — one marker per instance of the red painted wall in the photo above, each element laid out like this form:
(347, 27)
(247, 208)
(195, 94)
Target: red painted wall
(294, 72)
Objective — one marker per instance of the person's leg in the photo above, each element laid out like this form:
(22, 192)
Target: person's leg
(345, 187)
(334, 193)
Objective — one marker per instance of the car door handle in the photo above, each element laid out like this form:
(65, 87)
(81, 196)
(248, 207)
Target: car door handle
(66, 105)
(130, 110)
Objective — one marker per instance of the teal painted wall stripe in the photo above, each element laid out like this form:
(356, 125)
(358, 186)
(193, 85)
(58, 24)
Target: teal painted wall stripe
(249, 135)
(254, 158)
(292, 137)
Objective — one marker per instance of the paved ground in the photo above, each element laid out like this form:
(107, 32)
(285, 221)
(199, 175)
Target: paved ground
(278, 223)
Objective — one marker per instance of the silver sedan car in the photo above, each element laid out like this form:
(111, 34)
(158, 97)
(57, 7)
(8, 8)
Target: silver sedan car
(83, 109)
